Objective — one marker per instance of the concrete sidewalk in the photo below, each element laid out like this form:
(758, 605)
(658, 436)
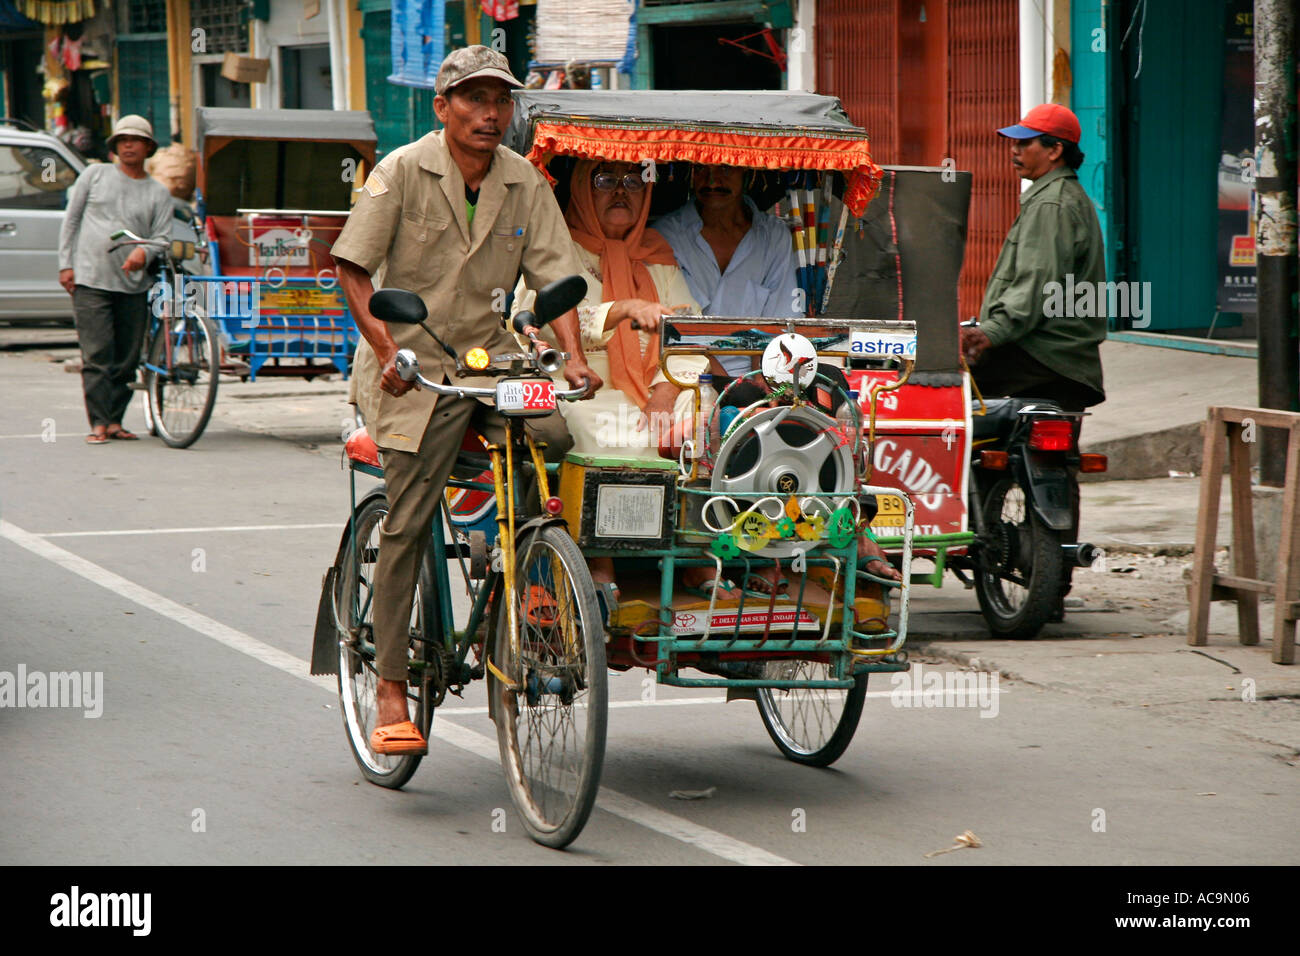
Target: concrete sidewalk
(1150, 423)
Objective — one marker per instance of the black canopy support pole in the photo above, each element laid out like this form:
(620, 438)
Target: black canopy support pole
(1275, 227)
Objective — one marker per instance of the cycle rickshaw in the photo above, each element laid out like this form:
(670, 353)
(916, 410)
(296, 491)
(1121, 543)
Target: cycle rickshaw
(785, 482)
(254, 292)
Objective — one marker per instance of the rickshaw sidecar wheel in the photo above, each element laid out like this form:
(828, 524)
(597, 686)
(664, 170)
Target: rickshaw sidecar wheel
(813, 726)
(1019, 544)
(551, 722)
(357, 678)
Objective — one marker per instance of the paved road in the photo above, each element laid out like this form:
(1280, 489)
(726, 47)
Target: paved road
(190, 581)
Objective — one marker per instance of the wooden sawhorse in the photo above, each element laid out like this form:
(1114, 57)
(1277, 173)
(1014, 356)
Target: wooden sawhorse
(1229, 426)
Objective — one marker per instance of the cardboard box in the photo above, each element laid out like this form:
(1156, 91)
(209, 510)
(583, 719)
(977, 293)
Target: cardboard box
(244, 69)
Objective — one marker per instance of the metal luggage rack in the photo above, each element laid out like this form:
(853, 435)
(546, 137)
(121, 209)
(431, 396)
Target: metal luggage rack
(867, 652)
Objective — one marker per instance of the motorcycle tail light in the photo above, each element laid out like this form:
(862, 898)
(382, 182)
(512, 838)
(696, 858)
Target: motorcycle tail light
(1051, 435)
(554, 506)
(1092, 463)
(993, 460)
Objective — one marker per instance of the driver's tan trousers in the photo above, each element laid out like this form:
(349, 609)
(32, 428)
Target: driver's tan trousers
(415, 483)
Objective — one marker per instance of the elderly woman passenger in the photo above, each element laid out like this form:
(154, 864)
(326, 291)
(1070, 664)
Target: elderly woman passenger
(632, 281)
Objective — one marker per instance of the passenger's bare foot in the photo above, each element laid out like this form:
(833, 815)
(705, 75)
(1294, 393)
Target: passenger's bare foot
(871, 558)
(768, 579)
(391, 702)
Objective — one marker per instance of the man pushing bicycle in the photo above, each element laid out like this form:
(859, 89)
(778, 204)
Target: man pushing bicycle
(454, 217)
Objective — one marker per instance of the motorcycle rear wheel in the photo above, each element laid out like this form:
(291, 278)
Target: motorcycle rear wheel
(1019, 578)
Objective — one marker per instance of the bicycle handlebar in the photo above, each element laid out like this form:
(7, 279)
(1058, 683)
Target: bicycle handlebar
(408, 368)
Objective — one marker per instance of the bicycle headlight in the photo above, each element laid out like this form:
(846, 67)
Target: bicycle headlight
(477, 359)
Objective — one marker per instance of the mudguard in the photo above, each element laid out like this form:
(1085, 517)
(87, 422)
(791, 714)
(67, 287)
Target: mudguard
(325, 643)
(325, 640)
(1046, 482)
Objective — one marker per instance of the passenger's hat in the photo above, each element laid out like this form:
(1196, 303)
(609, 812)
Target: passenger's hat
(1052, 119)
(470, 63)
(133, 125)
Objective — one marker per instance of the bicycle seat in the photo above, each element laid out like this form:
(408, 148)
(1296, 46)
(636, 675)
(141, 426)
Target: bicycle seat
(471, 462)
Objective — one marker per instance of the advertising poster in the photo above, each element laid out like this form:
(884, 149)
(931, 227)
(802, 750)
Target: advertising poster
(1236, 244)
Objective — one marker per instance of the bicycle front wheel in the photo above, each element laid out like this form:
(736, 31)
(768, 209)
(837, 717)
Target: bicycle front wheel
(181, 378)
(552, 707)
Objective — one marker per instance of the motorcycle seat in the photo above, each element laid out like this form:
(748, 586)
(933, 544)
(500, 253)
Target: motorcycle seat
(1001, 415)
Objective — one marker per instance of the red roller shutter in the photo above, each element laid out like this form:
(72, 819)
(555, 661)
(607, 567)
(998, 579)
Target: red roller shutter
(857, 60)
(984, 94)
(971, 92)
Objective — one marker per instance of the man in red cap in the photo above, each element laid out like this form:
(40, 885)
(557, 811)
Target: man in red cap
(1026, 344)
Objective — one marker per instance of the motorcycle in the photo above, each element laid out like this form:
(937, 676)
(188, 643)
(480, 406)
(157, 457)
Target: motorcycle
(1024, 506)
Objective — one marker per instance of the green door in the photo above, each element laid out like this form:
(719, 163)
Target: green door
(1170, 129)
(142, 81)
(402, 114)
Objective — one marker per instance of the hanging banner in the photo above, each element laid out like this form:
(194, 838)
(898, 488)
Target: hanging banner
(418, 38)
(1236, 247)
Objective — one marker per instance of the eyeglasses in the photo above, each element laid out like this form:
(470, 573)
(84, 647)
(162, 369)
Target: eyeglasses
(608, 182)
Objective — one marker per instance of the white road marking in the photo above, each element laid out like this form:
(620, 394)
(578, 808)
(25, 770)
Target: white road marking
(37, 435)
(232, 527)
(611, 801)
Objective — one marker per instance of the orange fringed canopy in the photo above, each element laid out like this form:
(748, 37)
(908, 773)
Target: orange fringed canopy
(731, 146)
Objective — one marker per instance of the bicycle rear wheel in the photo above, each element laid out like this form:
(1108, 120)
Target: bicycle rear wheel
(181, 378)
(358, 680)
(551, 716)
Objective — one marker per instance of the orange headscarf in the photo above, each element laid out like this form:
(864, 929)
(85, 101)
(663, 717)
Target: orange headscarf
(624, 276)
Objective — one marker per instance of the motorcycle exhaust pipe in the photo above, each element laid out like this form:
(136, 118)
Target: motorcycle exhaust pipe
(1082, 554)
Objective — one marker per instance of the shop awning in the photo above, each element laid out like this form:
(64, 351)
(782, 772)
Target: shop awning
(56, 12)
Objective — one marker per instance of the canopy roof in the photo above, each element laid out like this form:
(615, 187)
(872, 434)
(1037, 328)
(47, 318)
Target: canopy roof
(348, 126)
(758, 129)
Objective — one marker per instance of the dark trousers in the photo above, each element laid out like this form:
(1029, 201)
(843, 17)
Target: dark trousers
(1008, 370)
(415, 483)
(110, 331)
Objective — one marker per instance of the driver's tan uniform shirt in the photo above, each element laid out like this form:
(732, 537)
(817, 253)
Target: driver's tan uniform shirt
(409, 230)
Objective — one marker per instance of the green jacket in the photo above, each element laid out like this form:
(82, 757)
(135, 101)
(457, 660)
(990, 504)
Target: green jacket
(1055, 239)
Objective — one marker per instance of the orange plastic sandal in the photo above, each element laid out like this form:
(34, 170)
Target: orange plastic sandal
(398, 740)
(540, 608)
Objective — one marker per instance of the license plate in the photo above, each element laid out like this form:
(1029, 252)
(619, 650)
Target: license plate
(890, 512)
(526, 396)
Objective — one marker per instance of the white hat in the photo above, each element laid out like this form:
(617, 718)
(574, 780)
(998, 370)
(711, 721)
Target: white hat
(133, 125)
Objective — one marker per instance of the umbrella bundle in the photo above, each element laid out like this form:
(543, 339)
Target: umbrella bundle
(809, 219)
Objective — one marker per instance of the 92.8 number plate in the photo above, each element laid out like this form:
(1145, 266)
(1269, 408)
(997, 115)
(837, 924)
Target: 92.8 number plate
(526, 396)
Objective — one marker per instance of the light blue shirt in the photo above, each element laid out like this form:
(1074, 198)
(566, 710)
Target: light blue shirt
(760, 278)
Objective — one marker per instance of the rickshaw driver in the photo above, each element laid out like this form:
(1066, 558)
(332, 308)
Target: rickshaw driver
(454, 217)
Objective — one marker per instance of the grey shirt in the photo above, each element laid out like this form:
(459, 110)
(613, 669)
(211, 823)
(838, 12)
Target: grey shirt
(103, 200)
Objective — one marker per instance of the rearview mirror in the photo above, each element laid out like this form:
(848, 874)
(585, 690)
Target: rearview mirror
(398, 305)
(559, 297)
